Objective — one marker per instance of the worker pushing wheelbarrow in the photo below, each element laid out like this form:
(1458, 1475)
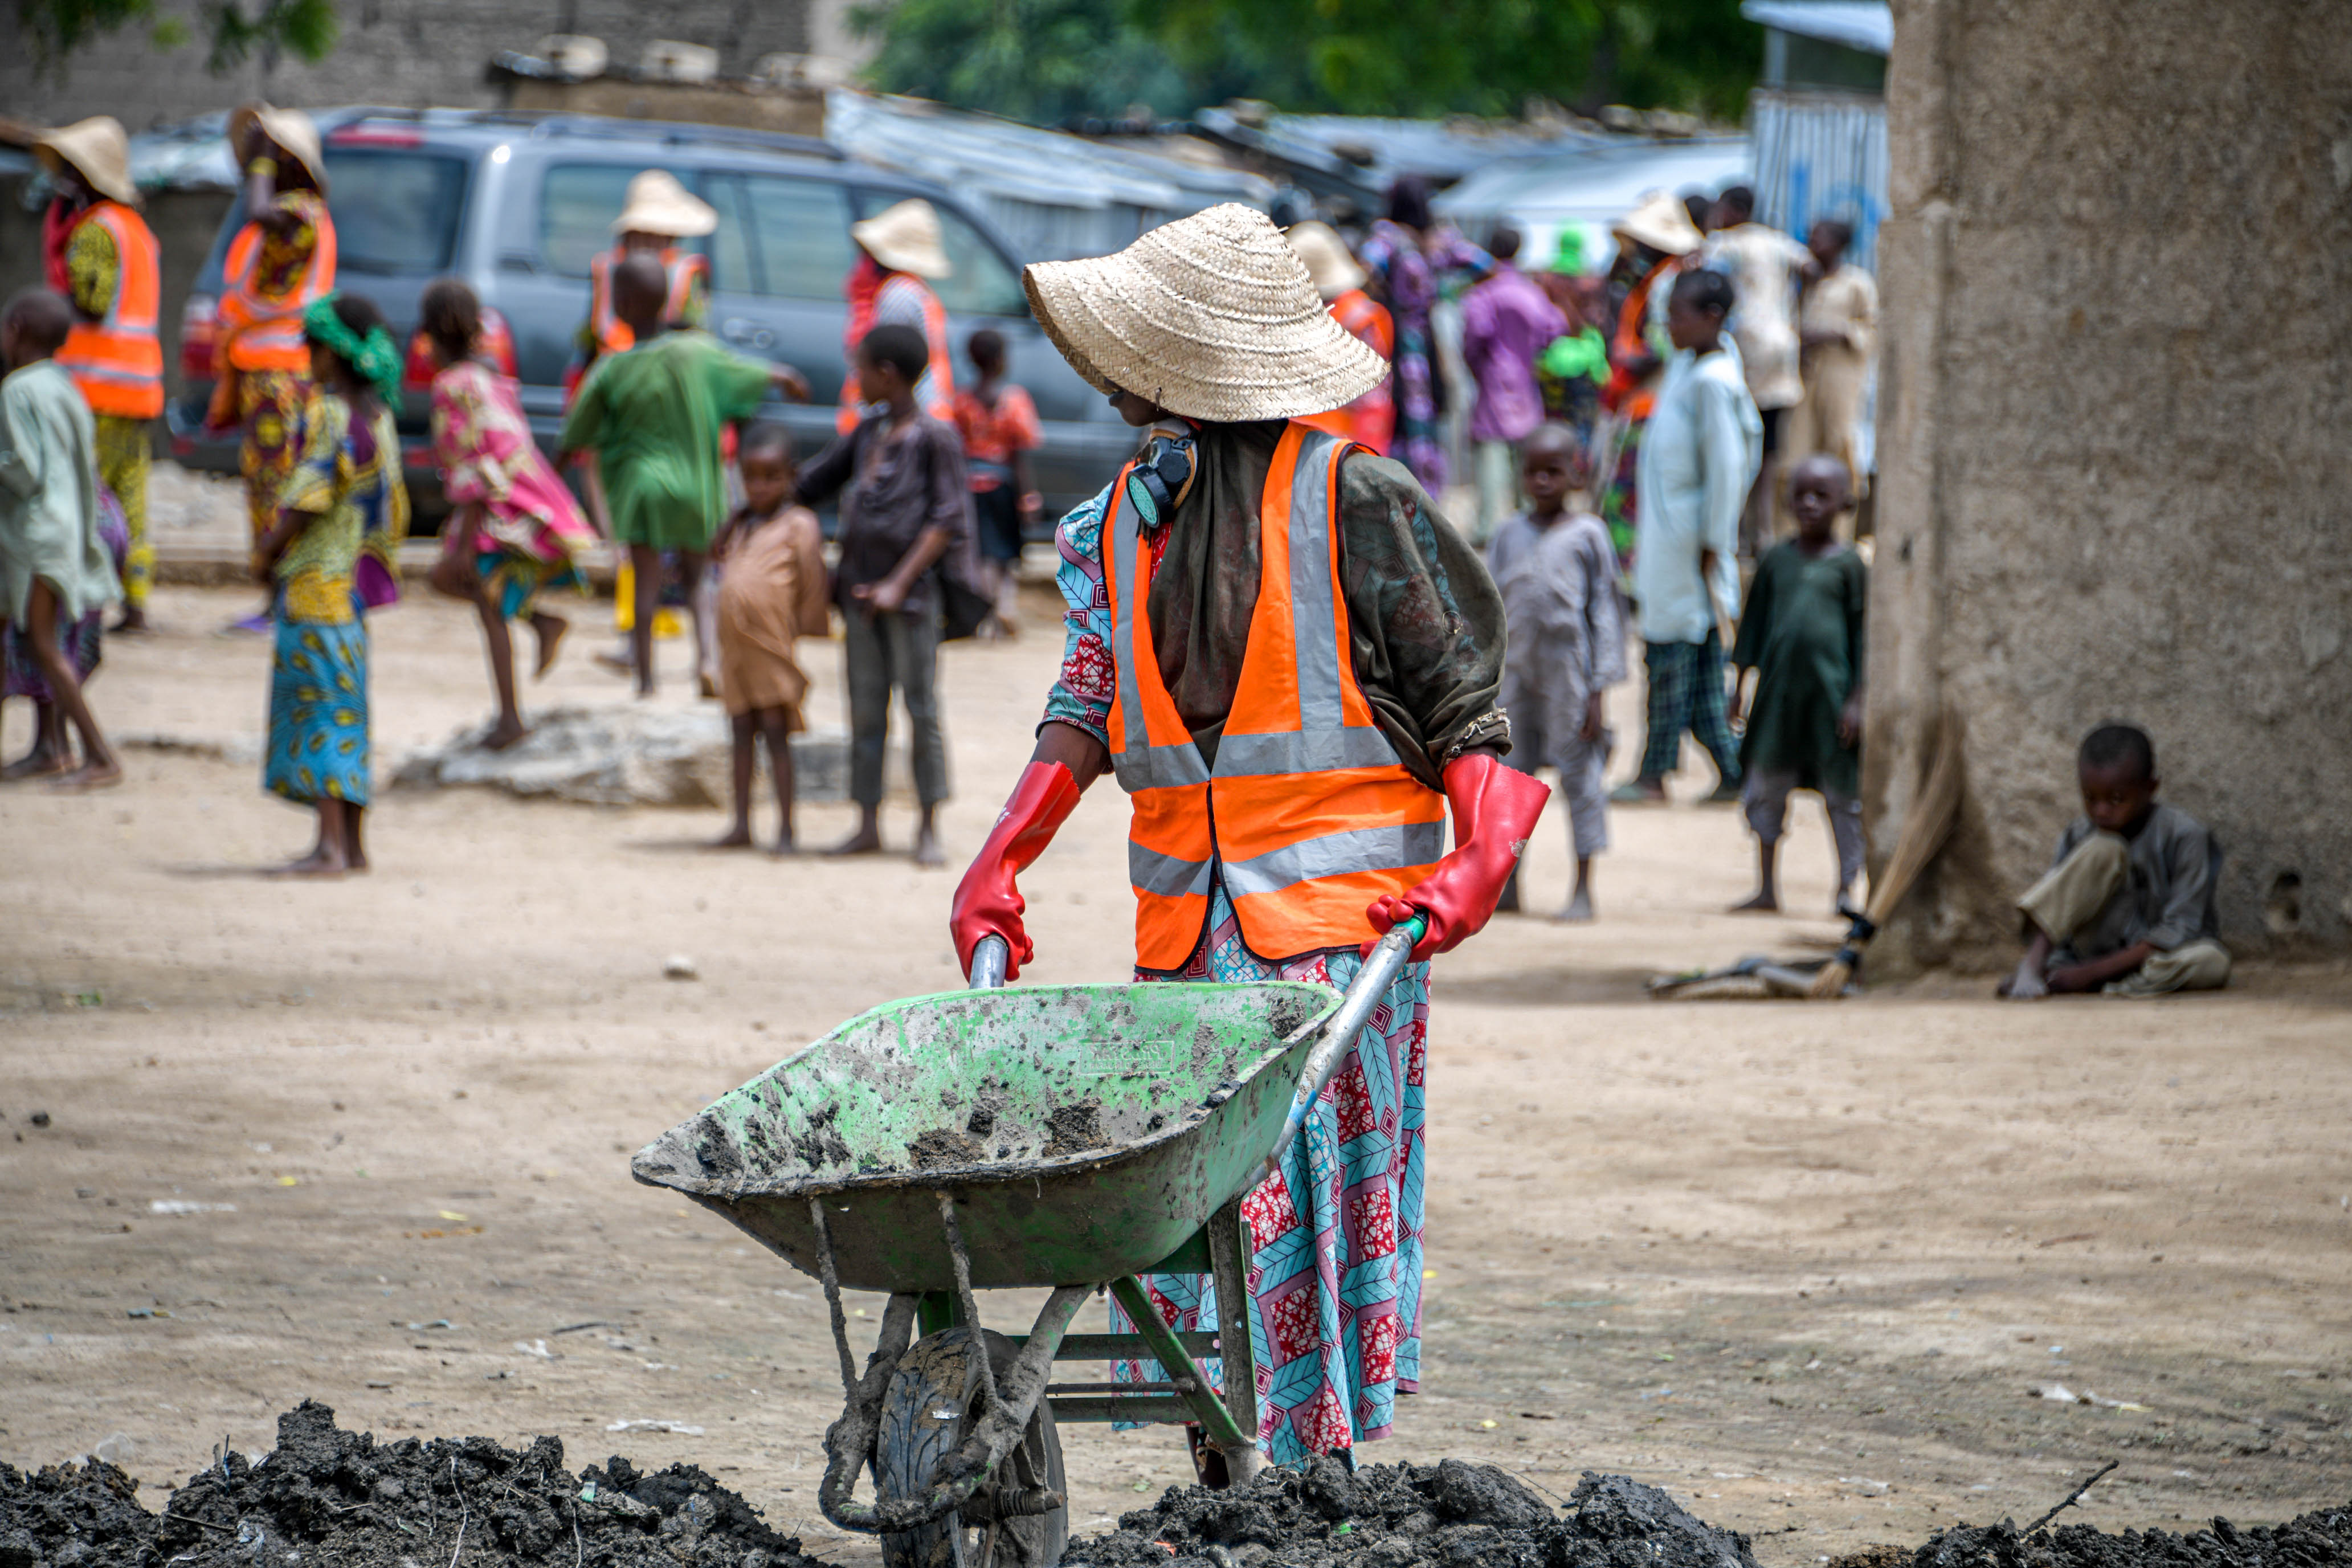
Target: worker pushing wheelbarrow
(1289, 660)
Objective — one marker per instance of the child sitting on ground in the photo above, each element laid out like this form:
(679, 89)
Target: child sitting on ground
(999, 425)
(1802, 633)
(54, 569)
(2127, 905)
(772, 590)
(1566, 644)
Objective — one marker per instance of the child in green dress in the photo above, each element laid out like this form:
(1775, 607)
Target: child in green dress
(652, 415)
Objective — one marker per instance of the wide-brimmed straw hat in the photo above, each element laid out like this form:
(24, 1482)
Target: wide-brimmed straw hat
(290, 129)
(1211, 317)
(97, 150)
(1326, 258)
(904, 239)
(1661, 224)
(657, 204)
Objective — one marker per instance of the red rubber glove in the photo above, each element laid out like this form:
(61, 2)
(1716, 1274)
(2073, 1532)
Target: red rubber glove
(986, 901)
(1495, 809)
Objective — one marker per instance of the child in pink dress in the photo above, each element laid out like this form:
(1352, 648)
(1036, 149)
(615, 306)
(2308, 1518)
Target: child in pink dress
(517, 529)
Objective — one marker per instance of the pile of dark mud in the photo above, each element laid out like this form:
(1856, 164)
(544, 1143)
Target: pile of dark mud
(327, 1497)
(1448, 1515)
(2322, 1539)
(1460, 1515)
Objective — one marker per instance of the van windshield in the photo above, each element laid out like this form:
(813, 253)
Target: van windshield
(394, 211)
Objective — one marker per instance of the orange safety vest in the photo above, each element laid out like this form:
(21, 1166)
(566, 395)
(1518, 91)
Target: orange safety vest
(936, 393)
(1622, 394)
(1307, 814)
(1371, 420)
(613, 335)
(118, 363)
(264, 331)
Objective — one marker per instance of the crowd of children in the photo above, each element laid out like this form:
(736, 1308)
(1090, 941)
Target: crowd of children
(936, 491)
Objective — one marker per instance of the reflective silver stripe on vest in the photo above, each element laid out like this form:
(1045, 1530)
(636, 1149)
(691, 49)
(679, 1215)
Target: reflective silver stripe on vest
(1336, 855)
(1253, 756)
(1314, 618)
(1139, 765)
(1324, 740)
(1149, 871)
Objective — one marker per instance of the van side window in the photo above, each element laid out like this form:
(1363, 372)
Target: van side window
(780, 236)
(982, 284)
(577, 205)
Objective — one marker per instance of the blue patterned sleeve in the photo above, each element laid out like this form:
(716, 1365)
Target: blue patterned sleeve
(1081, 693)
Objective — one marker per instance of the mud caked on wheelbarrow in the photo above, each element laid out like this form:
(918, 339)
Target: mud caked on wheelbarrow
(1071, 1136)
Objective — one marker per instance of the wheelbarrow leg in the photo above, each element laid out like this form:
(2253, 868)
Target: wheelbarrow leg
(1192, 1385)
(849, 1442)
(1228, 1250)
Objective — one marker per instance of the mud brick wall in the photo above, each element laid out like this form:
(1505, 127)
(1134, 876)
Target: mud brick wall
(2116, 441)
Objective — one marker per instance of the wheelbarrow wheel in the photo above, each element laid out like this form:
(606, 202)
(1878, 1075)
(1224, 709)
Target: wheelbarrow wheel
(932, 1402)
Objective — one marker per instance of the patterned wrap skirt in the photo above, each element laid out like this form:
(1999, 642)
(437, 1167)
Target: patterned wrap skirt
(1335, 1272)
(319, 714)
(20, 674)
(269, 407)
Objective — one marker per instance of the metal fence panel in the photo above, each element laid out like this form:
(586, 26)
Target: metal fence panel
(1821, 154)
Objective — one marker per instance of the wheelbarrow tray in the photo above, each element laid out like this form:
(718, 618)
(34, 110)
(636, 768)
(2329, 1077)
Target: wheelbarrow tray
(1086, 1131)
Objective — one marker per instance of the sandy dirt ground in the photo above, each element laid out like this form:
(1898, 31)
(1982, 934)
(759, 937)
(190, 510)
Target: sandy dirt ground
(1811, 1268)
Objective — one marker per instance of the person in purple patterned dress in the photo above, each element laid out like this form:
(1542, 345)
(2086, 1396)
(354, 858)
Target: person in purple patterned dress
(1407, 255)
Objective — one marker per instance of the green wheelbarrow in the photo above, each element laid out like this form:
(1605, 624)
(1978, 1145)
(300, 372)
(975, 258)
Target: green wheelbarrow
(1071, 1136)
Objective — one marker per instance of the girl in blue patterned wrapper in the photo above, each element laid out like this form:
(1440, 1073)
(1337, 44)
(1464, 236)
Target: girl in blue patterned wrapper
(327, 559)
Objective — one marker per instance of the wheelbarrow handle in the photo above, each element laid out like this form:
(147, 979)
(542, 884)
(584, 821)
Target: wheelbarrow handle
(1337, 1030)
(991, 956)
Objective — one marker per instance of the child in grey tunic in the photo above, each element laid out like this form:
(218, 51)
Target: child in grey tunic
(1566, 647)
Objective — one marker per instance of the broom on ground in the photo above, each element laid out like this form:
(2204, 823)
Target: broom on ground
(1928, 825)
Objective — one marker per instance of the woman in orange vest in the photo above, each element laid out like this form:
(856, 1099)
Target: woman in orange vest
(897, 249)
(1652, 243)
(1371, 420)
(280, 262)
(658, 213)
(1290, 662)
(102, 257)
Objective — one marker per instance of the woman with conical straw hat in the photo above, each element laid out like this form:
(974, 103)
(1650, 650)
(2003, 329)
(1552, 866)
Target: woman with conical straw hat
(101, 256)
(1289, 660)
(279, 264)
(899, 256)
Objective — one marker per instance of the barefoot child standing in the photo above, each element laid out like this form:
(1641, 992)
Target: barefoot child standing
(53, 566)
(517, 529)
(772, 590)
(343, 500)
(1566, 647)
(1803, 633)
(998, 422)
(906, 519)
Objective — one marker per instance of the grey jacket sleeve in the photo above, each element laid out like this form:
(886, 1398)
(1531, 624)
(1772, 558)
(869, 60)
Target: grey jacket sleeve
(2188, 885)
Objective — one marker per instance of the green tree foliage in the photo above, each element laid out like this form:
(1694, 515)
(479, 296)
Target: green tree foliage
(234, 30)
(1045, 60)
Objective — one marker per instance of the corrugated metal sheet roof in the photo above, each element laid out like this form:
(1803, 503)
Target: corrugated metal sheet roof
(1055, 195)
(1864, 24)
(1585, 191)
(1440, 151)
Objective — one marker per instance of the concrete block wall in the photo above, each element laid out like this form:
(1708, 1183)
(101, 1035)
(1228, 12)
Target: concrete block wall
(2115, 442)
(402, 53)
